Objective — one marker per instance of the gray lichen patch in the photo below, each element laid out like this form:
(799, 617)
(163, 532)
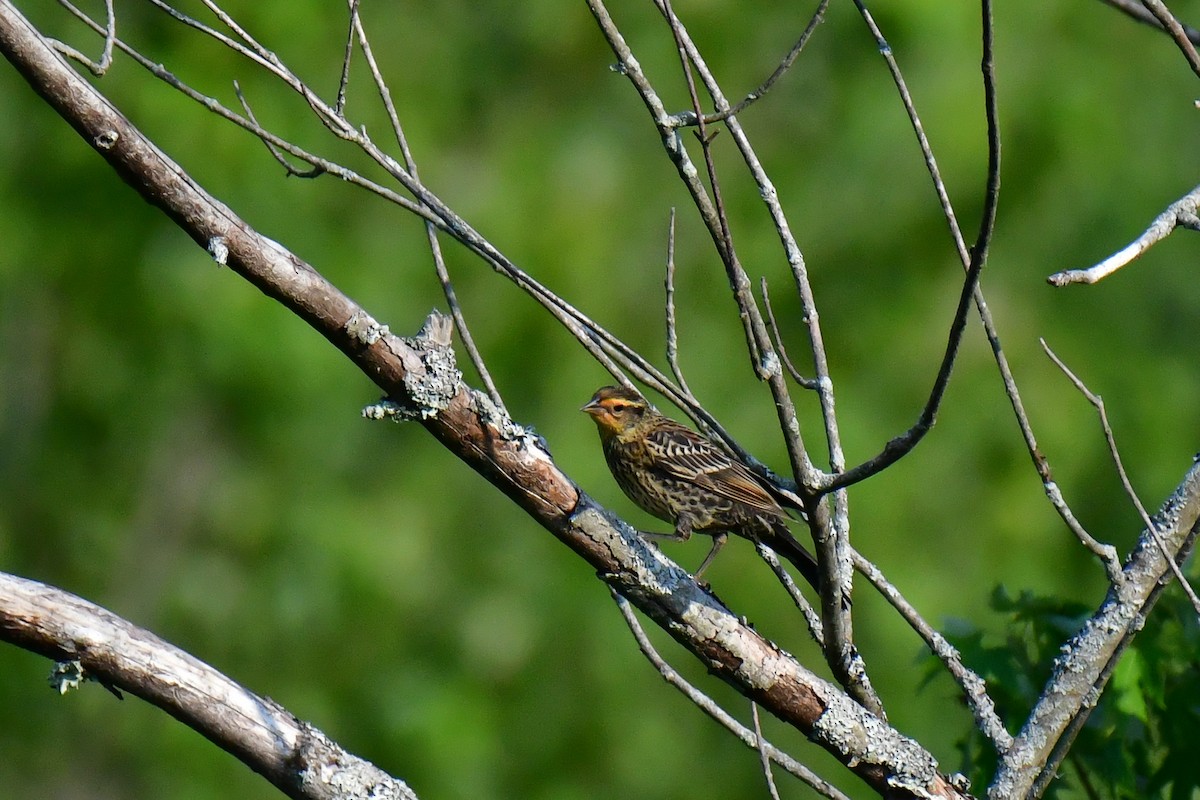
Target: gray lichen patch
(429, 388)
(432, 390)
(363, 327)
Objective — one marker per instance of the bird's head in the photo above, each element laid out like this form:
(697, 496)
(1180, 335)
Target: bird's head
(615, 410)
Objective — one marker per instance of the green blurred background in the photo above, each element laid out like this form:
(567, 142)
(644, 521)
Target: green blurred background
(184, 452)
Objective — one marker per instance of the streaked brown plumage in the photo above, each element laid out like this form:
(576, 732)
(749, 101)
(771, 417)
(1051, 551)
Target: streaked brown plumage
(679, 476)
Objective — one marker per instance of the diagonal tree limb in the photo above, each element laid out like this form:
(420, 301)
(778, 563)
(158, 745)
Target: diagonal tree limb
(1086, 661)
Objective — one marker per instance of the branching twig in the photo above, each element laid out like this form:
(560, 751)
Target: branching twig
(974, 689)
(435, 248)
(1183, 212)
(1136, 10)
(1098, 403)
(757, 94)
(97, 68)
(763, 759)
(316, 171)
(807, 383)
(713, 709)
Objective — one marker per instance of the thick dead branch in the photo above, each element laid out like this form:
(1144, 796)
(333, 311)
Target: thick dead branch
(290, 753)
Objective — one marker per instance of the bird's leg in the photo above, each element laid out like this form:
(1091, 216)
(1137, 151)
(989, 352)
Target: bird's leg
(718, 543)
(682, 532)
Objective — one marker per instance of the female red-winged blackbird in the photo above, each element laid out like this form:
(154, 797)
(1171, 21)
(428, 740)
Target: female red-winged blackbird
(679, 476)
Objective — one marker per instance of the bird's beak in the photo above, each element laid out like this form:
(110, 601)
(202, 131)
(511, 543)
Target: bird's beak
(592, 407)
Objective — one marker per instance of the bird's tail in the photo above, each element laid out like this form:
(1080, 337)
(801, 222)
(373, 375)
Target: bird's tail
(783, 543)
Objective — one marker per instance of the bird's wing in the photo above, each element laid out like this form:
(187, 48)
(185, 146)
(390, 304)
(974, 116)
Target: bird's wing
(684, 454)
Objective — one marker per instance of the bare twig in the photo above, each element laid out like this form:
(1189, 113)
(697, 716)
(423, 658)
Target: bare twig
(1098, 403)
(1137, 11)
(974, 689)
(757, 94)
(1181, 213)
(1175, 30)
(811, 618)
(235, 46)
(714, 710)
(807, 383)
(901, 445)
(344, 81)
(97, 68)
(763, 759)
(722, 235)
(672, 333)
(435, 248)
(229, 22)
(316, 171)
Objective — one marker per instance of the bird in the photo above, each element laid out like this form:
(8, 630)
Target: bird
(681, 477)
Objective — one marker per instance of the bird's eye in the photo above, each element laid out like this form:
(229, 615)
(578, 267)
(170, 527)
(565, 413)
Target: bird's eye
(619, 408)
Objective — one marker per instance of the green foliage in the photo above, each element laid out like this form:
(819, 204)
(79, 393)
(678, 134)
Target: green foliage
(1129, 746)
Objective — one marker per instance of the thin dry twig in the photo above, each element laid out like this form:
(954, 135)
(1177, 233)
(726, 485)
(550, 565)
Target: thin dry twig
(974, 689)
(1098, 403)
(764, 760)
(1103, 551)
(903, 444)
(1181, 213)
(315, 172)
(97, 68)
(344, 81)
(811, 618)
(195, 24)
(672, 334)
(435, 248)
(714, 710)
(1137, 11)
(1175, 30)
(689, 118)
(807, 383)
(722, 235)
